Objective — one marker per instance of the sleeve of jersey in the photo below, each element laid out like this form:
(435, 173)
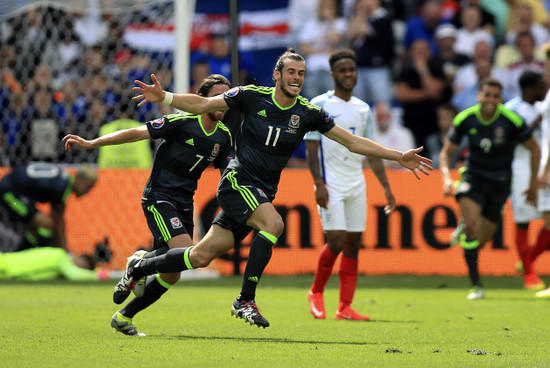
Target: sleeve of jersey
(234, 97)
(369, 127)
(326, 122)
(456, 132)
(160, 128)
(524, 132)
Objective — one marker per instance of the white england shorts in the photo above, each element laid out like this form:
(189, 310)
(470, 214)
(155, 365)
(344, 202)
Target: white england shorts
(346, 210)
(523, 212)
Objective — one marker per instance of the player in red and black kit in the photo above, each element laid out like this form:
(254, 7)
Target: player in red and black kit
(190, 143)
(275, 121)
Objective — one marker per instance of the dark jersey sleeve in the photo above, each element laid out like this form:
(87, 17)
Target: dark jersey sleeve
(524, 132)
(326, 121)
(234, 97)
(163, 127)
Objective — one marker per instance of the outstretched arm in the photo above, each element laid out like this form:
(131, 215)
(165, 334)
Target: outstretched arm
(189, 102)
(119, 137)
(366, 147)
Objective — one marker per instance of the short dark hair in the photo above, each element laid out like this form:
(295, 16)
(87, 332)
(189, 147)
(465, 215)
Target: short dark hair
(492, 82)
(211, 81)
(290, 53)
(528, 79)
(527, 34)
(339, 55)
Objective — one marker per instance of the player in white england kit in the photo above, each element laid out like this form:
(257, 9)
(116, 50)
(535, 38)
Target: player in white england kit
(340, 189)
(528, 107)
(543, 239)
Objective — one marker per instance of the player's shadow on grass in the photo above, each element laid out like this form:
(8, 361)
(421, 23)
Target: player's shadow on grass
(267, 339)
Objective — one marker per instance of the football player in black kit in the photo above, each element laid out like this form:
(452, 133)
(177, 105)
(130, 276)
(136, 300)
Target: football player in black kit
(190, 143)
(43, 182)
(275, 122)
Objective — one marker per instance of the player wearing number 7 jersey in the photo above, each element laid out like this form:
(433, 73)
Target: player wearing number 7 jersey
(275, 122)
(189, 144)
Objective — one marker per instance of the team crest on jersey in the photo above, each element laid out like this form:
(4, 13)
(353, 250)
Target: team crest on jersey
(214, 152)
(294, 122)
(499, 135)
(232, 92)
(261, 193)
(157, 123)
(176, 223)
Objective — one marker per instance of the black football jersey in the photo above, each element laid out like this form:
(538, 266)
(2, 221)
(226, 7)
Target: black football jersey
(491, 143)
(269, 133)
(186, 150)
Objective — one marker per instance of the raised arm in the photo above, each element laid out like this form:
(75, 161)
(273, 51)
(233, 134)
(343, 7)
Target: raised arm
(366, 147)
(118, 137)
(188, 102)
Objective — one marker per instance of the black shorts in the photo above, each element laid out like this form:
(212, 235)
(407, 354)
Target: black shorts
(166, 221)
(491, 195)
(238, 199)
(19, 209)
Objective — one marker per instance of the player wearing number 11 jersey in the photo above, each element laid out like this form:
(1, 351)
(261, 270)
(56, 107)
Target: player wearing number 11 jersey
(275, 121)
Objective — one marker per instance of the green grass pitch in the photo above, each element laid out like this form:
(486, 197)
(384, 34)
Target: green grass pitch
(416, 322)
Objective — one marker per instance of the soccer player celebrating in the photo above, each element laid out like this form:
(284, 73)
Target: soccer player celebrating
(493, 132)
(275, 122)
(190, 143)
(340, 189)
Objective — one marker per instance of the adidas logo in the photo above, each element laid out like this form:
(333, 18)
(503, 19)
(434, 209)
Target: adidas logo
(262, 113)
(190, 142)
(253, 279)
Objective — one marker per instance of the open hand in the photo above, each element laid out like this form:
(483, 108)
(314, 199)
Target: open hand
(414, 162)
(148, 92)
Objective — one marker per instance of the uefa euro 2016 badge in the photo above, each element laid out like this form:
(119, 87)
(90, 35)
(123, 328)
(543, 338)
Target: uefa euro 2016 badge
(176, 222)
(157, 123)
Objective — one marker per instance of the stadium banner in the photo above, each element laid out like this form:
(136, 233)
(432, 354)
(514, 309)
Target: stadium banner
(412, 240)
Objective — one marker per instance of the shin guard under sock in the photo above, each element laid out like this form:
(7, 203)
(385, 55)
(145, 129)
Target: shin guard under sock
(324, 269)
(175, 260)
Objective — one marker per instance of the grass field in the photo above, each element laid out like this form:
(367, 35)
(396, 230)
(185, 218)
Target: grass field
(416, 322)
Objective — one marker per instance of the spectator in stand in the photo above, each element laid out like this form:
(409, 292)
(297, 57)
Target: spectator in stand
(467, 97)
(219, 58)
(471, 32)
(434, 143)
(525, 23)
(540, 15)
(16, 118)
(199, 71)
(391, 133)
(466, 76)
(423, 26)
(525, 43)
(370, 32)
(419, 89)
(445, 35)
(320, 36)
(487, 18)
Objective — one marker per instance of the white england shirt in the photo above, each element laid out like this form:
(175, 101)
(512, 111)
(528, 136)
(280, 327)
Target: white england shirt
(341, 168)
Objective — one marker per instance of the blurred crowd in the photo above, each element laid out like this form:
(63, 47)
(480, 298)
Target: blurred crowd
(419, 63)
